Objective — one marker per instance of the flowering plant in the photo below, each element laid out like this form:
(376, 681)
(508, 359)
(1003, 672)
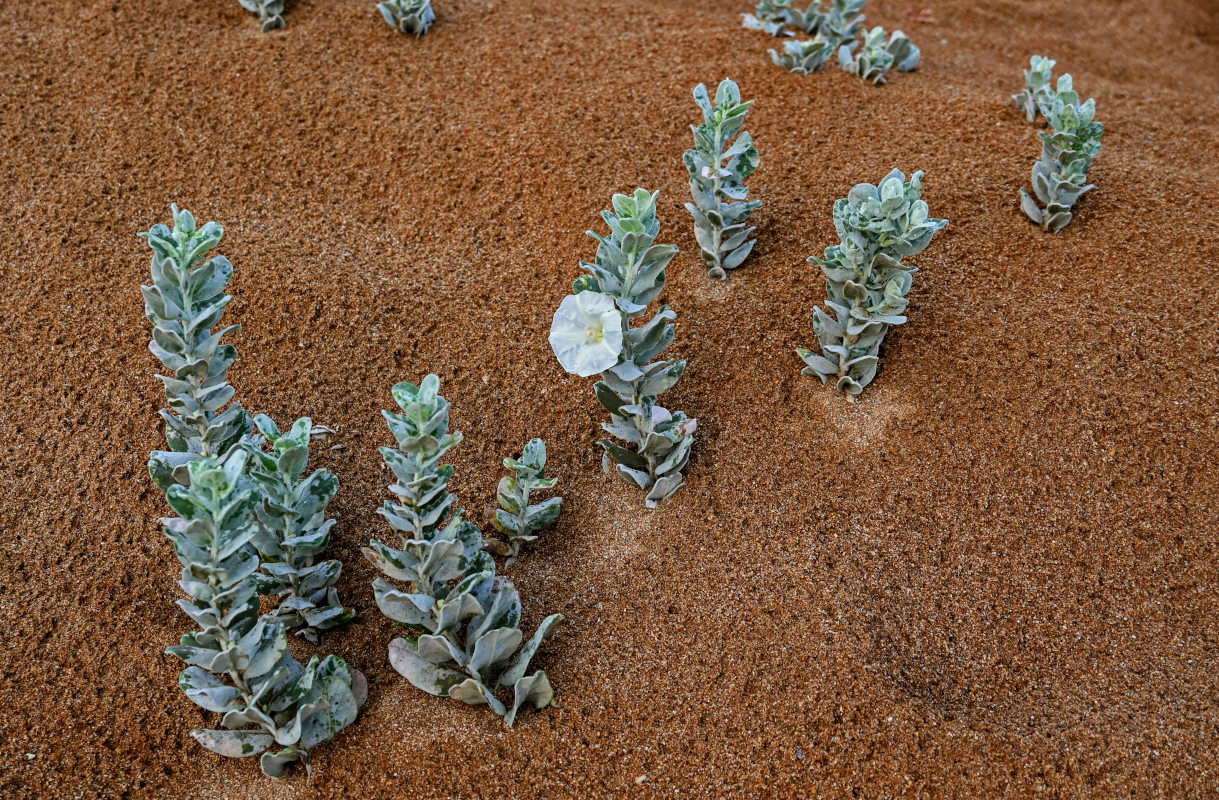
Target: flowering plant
(626, 276)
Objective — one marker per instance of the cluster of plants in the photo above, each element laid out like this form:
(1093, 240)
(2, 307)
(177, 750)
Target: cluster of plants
(462, 636)
(866, 282)
(592, 333)
(247, 525)
(836, 24)
(718, 171)
(250, 523)
(1060, 176)
(408, 16)
(838, 28)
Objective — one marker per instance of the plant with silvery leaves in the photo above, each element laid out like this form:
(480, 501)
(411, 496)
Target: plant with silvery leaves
(1060, 177)
(717, 179)
(592, 333)
(1037, 88)
(803, 57)
(239, 663)
(515, 518)
(840, 23)
(866, 281)
(462, 620)
(837, 24)
(877, 55)
(184, 305)
(770, 16)
(408, 16)
(270, 12)
(295, 530)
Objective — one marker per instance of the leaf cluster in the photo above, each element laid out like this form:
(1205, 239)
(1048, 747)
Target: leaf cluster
(408, 16)
(866, 281)
(718, 168)
(516, 518)
(1060, 176)
(467, 620)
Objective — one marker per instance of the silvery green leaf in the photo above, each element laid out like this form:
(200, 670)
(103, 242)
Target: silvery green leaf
(338, 710)
(473, 692)
(637, 477)
(409, 609)
(520, 664)
(739, 255)
(421, 673)
(664, 488)
(493, 647)
(208, 691)
(1058, 221)
(623, 456)
(820, 364)
(234, 744)
(534, 690)
(276, 764)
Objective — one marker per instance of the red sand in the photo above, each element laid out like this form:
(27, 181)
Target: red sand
(995, 576)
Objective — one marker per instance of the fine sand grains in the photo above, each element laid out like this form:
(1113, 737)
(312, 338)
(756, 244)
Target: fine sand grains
(993, 576)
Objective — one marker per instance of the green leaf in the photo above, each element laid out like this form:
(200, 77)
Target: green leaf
(234, 744)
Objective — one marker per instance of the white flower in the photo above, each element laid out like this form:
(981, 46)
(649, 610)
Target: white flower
(586, 334)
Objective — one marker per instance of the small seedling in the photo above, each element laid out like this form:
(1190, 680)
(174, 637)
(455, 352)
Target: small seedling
(877, 55)
(408, 16)
(591, 333)
(1060, 176)
(516, 519)
(717, 179)
(865, 279)
(1036, 87)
